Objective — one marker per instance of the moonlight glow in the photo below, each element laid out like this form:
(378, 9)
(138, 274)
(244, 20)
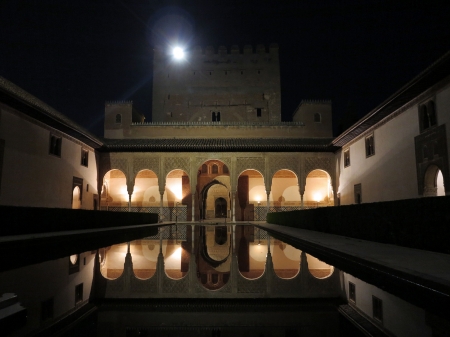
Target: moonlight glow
(178, 53)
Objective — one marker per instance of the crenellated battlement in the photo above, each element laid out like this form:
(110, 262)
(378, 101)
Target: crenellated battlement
(118, 102)
(223, 50)
(315, 101)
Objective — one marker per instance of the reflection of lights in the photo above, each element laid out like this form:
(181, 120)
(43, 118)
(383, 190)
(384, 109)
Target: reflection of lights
(317, 197)
(178, 53)
(176, 255)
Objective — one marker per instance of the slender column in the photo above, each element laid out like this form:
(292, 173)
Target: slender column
(301, 198)
(193, 208)
(129, 202)
(268, 202)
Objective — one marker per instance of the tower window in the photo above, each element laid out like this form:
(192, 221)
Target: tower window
(168, 96)
(55, 145)
(118, 118)
(218, 116)
(317, 118)
(258, 112)
(242, 73)
(213, 116)
(370, 146)
(215, 169)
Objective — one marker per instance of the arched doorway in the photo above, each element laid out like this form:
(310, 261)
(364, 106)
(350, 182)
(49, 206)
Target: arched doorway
(213, 191)
(285, 194)
(76, 198)
(114, 193)
(146, 190)
(177, 199)
(251, 196)
(318, 190)
(433, 182)
(220, 208)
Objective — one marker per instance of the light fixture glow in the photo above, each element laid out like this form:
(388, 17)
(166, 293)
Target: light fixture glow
(178, 53)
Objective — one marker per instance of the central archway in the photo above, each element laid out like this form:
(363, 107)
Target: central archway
(213, 191)
(220, 208)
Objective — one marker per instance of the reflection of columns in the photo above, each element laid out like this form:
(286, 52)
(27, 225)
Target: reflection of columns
(232, 208)
(161, 196)
(193, 208)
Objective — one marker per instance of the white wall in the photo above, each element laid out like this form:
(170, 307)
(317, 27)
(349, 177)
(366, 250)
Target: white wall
(390, 174)
(399, 317)
(33, 177)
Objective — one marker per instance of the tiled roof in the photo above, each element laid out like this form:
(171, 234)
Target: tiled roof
(438, 71)
(220, 145)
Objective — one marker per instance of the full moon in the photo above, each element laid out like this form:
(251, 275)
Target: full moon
(178, 53)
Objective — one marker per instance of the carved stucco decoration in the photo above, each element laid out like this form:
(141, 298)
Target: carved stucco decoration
(149, 163)
(176, 163)
(201, 160)
(247, 163)
(318, 163)
(172, 286)
(139, 286)
(277, 163)
(108, 164)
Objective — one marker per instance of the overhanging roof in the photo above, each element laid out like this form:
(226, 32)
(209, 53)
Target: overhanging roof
(220, 145)
(435, 73)
(22, 101)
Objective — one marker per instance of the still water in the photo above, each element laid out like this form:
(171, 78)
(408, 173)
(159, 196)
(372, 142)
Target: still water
(212, 280)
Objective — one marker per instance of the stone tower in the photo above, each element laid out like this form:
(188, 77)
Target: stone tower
(222, 86)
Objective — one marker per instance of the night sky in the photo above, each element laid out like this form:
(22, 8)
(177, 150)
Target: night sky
(75, 55)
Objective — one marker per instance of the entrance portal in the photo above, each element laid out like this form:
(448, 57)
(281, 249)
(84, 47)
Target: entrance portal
(220, 208)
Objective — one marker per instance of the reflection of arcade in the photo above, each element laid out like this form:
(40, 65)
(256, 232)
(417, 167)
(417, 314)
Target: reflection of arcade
(213, 255)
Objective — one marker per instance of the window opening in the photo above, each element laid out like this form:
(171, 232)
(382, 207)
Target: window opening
(79, 293)
(84, 157)
(213, 116)
(47, 309)
(358, 194)
(55, 145)
(215, 169)
(351, 292)
(317, 118)
(370, 146)
(347, 158)
(258, 112)
(218, 116)
(118, 118)
(377, 308)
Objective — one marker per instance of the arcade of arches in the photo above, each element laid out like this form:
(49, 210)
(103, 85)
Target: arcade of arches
(217, 191)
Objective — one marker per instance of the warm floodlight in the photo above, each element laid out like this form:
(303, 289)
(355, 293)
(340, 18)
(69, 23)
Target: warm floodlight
(178, 53)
